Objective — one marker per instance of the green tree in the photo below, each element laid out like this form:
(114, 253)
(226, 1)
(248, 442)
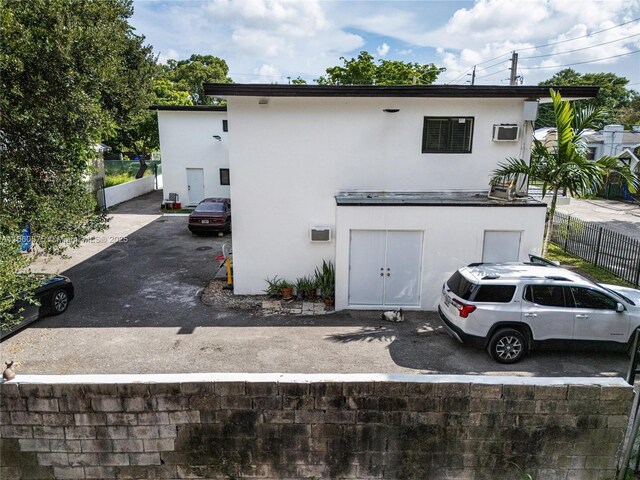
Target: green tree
(299, 81)
(630, 115)
(364, 71)
(65, 79)
(190, 75)
(612, 98)
(564, 165)
(138, 132)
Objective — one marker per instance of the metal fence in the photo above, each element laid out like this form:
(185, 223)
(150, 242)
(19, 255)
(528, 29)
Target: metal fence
(616, 253)
(115, 167)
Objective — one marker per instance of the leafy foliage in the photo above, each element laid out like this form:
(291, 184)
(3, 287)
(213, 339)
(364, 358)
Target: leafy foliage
(189, 75)
(70, 71)
(364, 71)
(564, 165)
(614, 99)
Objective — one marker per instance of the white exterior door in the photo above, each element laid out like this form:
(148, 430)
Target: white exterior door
(195, 185)
(501, 246)
(385, 268)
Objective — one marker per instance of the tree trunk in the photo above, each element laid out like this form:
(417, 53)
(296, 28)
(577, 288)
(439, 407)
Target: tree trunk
(548, 224)
(143, 163)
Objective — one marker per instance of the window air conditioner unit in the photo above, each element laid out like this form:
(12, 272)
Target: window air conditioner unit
(506, 133)
(320, 233)
(502, 191)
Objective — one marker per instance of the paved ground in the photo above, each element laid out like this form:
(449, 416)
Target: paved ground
(621, 217)
(138, 310)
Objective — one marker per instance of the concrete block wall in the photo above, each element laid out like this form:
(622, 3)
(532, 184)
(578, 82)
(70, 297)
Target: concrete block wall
(225, 426)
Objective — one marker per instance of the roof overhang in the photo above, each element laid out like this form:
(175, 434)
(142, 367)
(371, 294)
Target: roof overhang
(189, 108)
(226, 90)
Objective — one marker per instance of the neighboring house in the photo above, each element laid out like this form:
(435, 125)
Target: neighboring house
(193, 147)
(612, 140)
(615, 141)
(389, 183)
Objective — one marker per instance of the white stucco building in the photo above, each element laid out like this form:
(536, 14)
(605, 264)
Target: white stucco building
(398, 175)
(193, 146)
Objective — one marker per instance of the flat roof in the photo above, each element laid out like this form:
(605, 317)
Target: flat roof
(223, 90)
(189, 108)
(429, 199)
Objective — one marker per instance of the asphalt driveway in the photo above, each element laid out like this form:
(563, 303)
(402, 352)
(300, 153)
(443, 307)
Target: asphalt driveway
(137, 310)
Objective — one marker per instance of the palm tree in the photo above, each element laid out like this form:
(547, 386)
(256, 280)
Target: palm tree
(564, 166)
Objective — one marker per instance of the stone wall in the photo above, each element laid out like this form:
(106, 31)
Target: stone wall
(287, 426)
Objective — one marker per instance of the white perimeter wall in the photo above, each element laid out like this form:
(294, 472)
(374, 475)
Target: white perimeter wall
(290, 157)
(126, 191)
(453, 237)
(186, 141)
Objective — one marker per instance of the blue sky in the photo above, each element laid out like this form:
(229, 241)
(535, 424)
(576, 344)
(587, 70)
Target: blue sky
(266, 41)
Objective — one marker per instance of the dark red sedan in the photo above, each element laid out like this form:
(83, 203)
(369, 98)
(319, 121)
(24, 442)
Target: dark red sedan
(211, 215)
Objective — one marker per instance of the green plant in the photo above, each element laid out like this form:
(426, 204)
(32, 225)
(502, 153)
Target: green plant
(285, 284)
(305, 285)
(112, 180)
(274, 286)
(564, 166)
(326, 279)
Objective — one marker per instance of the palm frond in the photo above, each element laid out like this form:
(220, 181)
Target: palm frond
(587, 117)
(613, 164)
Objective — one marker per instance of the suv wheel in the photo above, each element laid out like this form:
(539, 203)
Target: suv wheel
(507, 346)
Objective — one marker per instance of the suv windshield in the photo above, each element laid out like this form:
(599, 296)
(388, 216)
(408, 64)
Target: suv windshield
(459, 285)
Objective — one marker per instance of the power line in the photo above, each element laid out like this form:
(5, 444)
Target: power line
(579, 49)
(583, 36)
(459, 77)
(561, 41)
(582, 63)
(491, 74)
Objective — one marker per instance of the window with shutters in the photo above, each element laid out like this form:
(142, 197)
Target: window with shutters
(224, 176)
(447, 135)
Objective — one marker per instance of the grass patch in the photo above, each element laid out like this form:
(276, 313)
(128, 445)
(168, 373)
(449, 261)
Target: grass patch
(176, 210)
(583, 267)
(120, 178)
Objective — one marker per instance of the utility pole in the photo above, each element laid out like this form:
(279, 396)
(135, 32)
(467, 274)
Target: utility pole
(473, 76)
(514, 69)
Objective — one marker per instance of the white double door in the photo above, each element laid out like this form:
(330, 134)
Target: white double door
(385, 268)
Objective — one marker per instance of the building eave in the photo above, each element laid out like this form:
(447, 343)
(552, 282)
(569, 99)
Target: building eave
(226, 90)
(188, 108)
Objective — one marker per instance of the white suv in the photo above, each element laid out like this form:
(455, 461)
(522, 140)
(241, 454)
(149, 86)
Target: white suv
(510, 308)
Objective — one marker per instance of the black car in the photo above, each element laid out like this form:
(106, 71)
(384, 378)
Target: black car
(211, 215)
(54, 294)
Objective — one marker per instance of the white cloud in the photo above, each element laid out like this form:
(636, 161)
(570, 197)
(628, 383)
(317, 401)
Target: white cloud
(383, 49)
(264, 39)
(268, 74)
(169, 54)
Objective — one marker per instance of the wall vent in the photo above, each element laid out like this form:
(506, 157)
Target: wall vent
(506, 133)
(320, 233)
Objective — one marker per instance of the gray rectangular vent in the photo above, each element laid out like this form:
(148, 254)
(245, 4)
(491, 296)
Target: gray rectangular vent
(505, 133)
(320, 234)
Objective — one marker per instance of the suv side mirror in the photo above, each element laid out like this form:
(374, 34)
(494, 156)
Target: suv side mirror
(619, 307)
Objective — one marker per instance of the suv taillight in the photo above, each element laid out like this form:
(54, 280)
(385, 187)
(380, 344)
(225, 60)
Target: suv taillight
(463, 308)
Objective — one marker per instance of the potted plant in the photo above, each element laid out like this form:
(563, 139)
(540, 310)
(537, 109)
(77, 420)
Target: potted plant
(274, 288)
(300, 287)
(286, 290)
(326, 279)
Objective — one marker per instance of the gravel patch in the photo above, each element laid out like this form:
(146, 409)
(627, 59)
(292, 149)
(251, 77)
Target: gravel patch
(215, 296)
